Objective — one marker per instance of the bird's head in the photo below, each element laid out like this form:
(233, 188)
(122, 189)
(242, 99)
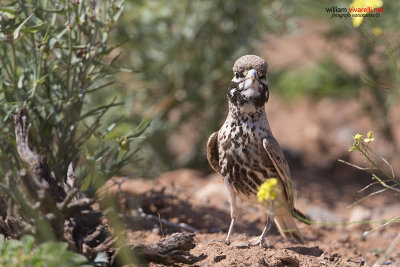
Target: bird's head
(248, 90)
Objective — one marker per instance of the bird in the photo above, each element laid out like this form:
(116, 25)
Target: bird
(245, 152)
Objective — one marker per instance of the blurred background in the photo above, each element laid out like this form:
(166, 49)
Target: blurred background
(150, 80)
(328, 79)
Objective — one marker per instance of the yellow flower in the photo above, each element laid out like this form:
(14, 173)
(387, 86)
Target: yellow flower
(267, 190)
(377, 31)
(356, 144)
(357, 21)
(361, 7)
(369, 137)
(357, 137)
(359, 143)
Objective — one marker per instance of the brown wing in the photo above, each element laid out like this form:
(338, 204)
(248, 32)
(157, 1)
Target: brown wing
(212, 152)
(278, 159)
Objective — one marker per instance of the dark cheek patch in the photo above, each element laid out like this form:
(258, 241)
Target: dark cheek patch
(265, 92)
(236, 98)
(263, 98)
(232, 86)
(239, 100)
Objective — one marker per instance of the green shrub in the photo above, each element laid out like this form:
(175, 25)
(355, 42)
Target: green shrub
(58, 61)
(325, 79)
(24, 253)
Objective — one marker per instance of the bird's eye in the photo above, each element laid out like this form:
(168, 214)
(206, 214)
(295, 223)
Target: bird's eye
(236, 75)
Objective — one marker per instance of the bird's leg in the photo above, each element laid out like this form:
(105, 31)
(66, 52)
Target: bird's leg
(234, 214)
(263, 240)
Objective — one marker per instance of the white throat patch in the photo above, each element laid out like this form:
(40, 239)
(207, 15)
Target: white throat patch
(250, 92)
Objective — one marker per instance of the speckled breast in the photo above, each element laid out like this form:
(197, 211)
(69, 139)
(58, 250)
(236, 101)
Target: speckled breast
(242, 157)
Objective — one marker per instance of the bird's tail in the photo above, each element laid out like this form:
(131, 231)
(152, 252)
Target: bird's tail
(285, 222)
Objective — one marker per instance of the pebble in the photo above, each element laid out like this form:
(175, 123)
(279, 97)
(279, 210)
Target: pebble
(334, 257)
(261, 262)
(361, 261)
(344, 238)
(215, 229)
(243, 245)
(319, 214)
(359, 214)
(218, 258)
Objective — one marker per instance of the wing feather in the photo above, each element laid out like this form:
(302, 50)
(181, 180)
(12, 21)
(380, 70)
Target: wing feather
(278, 159)
(212, 152)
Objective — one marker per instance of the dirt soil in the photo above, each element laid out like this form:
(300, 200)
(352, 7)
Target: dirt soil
(324, 188)
(186, 196)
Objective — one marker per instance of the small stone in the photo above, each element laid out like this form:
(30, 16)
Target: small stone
(218, 258)
(215, 229)
(325, 255)
(205, 200)
(312, 251)
(359, 214)
(243, 245)
(344, 238)
(261, 262)
(334, 257)
(319, 214)
(360, 261)
(289, 261)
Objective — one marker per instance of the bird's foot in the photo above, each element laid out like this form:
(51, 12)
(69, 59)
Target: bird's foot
(262, 242)
(227, 241)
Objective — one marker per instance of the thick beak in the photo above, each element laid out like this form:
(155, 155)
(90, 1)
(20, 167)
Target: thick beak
(250, 80)
(252, 74)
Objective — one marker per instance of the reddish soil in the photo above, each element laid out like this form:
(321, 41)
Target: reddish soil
(186, 196)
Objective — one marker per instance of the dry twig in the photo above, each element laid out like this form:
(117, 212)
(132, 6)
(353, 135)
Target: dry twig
(69, 214)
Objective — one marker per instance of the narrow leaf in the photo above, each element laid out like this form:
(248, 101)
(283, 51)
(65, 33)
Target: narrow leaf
(17, 30)
(60, 11)
(32, 29)
(7, 10)
(140, 129)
